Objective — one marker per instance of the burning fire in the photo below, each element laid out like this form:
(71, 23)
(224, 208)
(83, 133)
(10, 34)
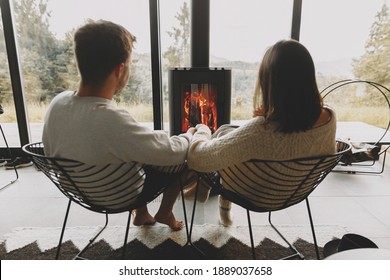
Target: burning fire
(200, 107)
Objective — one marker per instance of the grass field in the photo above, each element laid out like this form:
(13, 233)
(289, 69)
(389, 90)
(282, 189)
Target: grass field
(378, 116)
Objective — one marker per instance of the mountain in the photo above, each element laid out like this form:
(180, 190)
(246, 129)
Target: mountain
(340, 67)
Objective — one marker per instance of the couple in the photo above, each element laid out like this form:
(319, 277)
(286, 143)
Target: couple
(289, 117)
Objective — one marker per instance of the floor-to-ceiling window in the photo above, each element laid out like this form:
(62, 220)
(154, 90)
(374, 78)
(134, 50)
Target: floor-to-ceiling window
(44, 31)
(175, 42)
(350, 40)
(339, 35)
(240, 33)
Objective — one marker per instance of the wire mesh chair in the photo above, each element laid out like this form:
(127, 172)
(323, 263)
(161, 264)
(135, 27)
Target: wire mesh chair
(367, 158)
(269, 186)
(108, 189)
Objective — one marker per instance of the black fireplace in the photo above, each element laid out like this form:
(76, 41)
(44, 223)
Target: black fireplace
(199, 94)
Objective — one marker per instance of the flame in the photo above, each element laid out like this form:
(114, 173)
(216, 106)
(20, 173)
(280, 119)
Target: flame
(200, 107)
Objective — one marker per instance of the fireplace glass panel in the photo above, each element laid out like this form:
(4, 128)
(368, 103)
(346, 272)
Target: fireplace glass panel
(199, 105)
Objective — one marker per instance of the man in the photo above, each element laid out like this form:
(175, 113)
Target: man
(86, 126)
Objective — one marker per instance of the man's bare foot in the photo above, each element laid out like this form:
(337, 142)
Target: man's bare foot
(142, 218)
(169, 220)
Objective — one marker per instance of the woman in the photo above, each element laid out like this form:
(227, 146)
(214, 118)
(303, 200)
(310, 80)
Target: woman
(290, 120)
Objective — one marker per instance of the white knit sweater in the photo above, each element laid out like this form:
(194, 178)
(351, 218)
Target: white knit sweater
(255, 140)
(94, 131)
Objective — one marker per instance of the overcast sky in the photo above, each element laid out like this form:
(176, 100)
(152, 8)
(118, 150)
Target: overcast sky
(242, 29)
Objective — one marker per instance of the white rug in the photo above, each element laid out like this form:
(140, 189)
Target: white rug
(151, 236)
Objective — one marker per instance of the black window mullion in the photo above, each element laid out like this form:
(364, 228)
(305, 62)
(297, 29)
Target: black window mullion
(154, 14)
(296, 20)
(16, 75)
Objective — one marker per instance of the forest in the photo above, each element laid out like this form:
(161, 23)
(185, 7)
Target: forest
(48, 66)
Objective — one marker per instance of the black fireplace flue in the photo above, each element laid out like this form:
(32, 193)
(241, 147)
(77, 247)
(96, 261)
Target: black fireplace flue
(199, 94)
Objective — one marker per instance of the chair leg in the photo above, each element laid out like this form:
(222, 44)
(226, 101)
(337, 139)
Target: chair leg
(185, 213)
(126, 235)
(251, 234)
(312, 229)
(63, 230)
(78, 256)
(189, 230)
(292, 247)
(194, 208)
(10, 154)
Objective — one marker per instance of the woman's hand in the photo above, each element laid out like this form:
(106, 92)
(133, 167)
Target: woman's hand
(258, 112)
(191, 130)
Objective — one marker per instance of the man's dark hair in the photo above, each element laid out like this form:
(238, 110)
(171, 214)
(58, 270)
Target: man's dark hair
(99, 47)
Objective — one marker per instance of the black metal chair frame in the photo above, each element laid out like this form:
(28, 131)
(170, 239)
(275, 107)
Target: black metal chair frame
(59, 171)
(382, 89)
(295, 189)
(189, 226)
(10, 155)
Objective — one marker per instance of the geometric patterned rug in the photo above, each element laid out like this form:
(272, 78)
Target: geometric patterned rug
(159, 242)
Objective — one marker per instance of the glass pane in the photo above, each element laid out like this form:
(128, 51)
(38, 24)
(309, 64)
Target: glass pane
(45, 32)
(8, 117)
(175, 42)
(240, 32)
(347, 41)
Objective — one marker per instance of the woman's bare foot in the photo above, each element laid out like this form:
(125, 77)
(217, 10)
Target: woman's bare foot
(169, 220)
(142, 218)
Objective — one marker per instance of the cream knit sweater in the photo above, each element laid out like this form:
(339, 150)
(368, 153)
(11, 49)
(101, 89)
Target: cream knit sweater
(255, 140)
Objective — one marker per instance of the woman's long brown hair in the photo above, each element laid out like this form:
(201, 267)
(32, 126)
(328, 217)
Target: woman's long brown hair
(287, 89)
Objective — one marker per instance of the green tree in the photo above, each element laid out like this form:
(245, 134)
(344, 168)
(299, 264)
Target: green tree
(178, 54)
(374, 64)
(32, 24)
(48, 63)
(66, 62)
(5, 81)
(39, 50)
(133, 91)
